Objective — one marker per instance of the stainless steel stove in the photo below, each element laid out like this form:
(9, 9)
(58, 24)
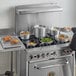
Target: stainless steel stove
(54, 59)
(42, 61)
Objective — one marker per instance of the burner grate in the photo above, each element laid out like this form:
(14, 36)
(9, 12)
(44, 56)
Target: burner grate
(39, 44)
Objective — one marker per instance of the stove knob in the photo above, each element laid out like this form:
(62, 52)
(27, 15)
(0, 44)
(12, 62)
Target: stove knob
(38, 56)
(43, 55)
(31, 57)
(47, 54)
(54, 53)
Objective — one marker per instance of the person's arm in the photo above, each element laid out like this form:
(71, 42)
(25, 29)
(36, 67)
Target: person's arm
(74, 29)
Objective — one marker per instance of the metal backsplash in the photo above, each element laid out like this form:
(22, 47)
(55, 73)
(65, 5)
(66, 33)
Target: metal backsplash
(40, 14)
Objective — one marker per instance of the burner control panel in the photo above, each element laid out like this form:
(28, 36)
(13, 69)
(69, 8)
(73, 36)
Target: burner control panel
(42, 55)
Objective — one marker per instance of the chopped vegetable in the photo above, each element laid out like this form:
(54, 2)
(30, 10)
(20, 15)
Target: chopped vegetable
(46, 40)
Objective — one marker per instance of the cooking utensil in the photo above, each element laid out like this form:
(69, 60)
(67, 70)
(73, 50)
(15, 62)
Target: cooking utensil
(24, 35)
(54, 31)
(36, 31)
(39, 31)
(62, 38)
(42, 32)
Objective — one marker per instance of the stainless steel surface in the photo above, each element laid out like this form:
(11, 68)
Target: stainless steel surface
(42, 57)
(50, 66)
(39, 8)
(39, 31)
(41, 15)
(36, 31)
(51, 58)
(46, 62)
(42, 32)
(42, 68)
(12, 64)
(8, 31)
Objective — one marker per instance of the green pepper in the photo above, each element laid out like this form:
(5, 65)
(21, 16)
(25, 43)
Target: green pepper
(46, 39)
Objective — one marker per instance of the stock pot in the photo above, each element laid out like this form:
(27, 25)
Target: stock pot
(39, 31)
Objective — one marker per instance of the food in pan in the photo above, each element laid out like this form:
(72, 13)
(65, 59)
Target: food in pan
(23, 33)
(27, 32)
(7, 38)
(46, 40)
(31, 43)
(63, 37)
(14, 41)
(68, 28)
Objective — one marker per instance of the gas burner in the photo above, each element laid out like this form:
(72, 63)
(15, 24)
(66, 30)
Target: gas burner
(36, 42)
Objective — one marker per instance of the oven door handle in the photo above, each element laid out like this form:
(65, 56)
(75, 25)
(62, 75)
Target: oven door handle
(50, 66)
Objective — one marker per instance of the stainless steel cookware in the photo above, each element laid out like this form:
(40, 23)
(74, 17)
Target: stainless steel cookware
(39, 31)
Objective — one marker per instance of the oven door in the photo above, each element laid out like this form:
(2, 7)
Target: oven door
(56, 67)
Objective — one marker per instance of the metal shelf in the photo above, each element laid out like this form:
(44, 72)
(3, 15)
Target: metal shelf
(38, 9)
